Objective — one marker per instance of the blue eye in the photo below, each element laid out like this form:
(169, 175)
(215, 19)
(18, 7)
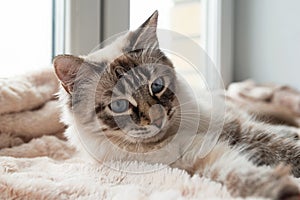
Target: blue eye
(157, 86)
(119, 106)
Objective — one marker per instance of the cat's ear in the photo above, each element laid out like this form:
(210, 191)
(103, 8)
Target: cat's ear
(66, 68)
(145, 36)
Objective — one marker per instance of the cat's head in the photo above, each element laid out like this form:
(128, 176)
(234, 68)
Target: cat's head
(134, 86)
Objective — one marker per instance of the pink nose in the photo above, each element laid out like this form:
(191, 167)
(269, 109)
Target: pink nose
(156, 114)
(157, 122)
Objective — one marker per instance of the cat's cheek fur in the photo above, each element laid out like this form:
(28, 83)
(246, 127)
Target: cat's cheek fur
(82, 141)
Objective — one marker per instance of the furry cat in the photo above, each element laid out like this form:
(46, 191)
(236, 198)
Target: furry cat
(124, 101)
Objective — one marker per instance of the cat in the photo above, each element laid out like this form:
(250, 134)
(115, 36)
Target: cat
(125, 100)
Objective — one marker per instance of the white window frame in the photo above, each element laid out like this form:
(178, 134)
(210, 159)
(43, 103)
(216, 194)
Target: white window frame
(218, 35)
(59, 27)
(80, 25)
(83, 21)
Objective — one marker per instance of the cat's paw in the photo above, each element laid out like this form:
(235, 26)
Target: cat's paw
(292, 133)
(276, 185)
(282, 191)
(284, 188)
(296, 134)
(289, 192)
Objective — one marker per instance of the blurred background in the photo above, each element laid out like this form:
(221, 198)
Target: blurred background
(257, 39)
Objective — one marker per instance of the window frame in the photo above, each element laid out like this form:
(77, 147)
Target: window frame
(80, 26)
(218, 35)
(58, 27)
(217, 25)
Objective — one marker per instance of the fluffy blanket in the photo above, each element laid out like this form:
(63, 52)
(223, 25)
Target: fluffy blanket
(278, 96)
(36, 162)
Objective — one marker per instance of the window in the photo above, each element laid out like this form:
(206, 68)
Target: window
(26, 35)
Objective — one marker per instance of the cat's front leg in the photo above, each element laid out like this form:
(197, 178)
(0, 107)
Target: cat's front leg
(241, 177)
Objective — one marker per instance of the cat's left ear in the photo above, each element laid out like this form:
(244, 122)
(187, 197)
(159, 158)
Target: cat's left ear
(145, 36)
(66, 68)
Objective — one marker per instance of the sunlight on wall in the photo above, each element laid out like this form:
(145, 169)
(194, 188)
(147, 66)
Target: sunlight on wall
(26, 35)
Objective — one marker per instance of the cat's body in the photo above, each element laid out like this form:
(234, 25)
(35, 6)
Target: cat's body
(124, 102)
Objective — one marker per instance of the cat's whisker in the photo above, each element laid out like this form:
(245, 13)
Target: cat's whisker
(187, 102)
(190, 113)
(188, 122)
(193, 120)
(192, 117)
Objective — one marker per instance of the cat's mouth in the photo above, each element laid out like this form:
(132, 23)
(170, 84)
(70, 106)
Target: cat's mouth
(145, 134)
(151, 133)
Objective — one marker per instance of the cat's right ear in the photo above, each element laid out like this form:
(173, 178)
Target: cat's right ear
(145, 37)
(66, 68)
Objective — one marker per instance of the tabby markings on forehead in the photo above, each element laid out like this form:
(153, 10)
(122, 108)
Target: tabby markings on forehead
(131, 82)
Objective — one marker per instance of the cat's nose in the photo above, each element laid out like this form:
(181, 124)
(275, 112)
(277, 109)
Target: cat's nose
(156, 114)
(158, 122)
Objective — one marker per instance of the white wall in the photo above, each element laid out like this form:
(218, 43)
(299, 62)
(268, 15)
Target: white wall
(267, 41)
